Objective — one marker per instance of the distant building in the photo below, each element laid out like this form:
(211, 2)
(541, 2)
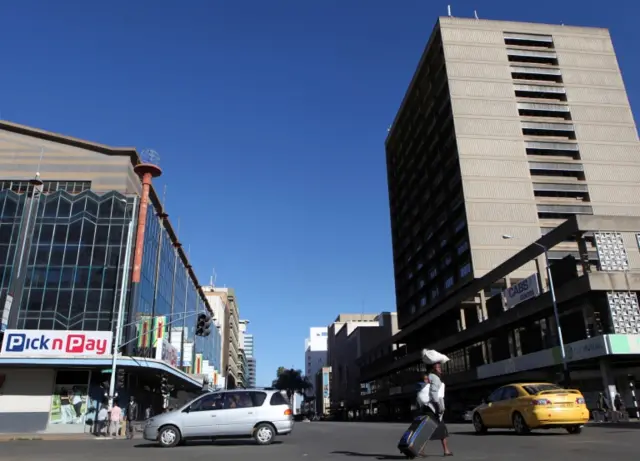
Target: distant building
(315, 355)
(350, 336)
(246, 345)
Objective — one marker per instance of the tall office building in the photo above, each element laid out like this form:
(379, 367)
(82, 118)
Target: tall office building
(315, 354)
(506, 130)
(246, 344)
(513, 140)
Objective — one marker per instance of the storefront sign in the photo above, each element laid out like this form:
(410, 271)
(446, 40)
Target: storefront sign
(521, 291)
(586, 349)
(56, 343)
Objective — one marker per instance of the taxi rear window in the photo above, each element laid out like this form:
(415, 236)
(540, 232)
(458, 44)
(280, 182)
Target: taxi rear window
(533, 389)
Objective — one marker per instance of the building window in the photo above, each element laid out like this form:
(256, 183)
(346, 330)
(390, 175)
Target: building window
(423, 301)
(465, 270)
(413, 309)
(448, 283)
(433, 273)
(420, 283)
(463, 247)
(435, 292)
(460, 225)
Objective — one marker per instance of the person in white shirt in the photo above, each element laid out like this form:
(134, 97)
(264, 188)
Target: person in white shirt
(435, 407)
(102, 420)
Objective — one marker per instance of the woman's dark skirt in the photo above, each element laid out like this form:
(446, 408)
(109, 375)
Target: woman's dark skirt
(441, 432)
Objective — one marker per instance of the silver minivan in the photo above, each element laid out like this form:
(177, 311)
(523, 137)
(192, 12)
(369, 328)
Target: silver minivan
(258, 413)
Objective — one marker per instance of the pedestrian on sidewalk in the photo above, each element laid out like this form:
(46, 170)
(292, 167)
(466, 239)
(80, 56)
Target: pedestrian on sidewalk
(132, 417)
(115, 416)
(103, 421)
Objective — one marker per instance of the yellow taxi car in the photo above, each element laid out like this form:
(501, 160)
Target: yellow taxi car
(527, 406)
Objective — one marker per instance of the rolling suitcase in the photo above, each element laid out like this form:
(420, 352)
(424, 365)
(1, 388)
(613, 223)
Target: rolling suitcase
(417, 436)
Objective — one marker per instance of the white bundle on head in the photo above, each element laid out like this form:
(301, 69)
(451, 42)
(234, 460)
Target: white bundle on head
(431, 357)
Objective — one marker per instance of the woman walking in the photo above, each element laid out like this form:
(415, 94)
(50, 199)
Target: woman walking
(435, 408)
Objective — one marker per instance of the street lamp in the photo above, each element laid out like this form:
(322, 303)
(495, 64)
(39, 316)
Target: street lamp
(121, 304)
(563, 354)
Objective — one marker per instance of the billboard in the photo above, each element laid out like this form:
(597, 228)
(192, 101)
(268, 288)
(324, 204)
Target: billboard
(56, 343)
(325, 382)
(167, 353)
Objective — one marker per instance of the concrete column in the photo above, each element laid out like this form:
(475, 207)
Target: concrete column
(608, 381)
(541, 269)
(483, 307)
(463, 319)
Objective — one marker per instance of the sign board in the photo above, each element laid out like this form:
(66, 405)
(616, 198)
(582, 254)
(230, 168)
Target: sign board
(56, 343)
(521, 291)
(167, 353)
(325, 384)
(586, 349)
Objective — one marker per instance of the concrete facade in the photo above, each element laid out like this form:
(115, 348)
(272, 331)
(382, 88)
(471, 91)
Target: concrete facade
(530, 124)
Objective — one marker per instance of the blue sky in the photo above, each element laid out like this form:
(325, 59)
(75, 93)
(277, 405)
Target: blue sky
(270, 117)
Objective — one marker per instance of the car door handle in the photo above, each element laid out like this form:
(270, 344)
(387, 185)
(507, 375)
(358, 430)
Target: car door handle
(213, 416)
(251, 412)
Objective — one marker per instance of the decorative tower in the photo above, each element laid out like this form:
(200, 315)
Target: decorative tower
(147, 170)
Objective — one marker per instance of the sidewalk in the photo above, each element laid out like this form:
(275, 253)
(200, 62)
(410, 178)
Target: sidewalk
(54, 437)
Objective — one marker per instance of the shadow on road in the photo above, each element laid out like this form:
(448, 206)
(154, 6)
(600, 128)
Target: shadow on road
(623, 425)
(508, 432)
(368, 455)
(219, 443)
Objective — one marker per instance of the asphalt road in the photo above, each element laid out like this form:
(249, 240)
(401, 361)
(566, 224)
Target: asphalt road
(337, 441)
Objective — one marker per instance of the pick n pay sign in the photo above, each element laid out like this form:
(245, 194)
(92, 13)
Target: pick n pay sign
(56, 343)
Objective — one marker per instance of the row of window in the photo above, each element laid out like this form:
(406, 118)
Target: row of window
(21, 187)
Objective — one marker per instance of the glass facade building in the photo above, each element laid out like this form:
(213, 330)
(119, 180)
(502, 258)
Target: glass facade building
(61, 256)
(62, 251)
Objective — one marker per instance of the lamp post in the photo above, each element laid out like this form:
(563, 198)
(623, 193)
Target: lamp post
(121, 304)
(563, 355)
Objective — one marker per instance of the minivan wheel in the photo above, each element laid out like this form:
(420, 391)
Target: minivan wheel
(169, 436)
(264, 434)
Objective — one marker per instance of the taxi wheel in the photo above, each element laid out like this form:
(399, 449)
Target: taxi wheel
(520, 425)
(574, 430)
(478, 425)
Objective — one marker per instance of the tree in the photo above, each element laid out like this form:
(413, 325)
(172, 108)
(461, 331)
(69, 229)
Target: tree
(290, 381)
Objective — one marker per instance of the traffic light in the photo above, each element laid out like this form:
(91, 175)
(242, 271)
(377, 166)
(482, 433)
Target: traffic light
(164, 385)
(203, 326)
(120, 379)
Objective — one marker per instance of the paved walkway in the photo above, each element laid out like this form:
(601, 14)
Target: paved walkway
(47, 436)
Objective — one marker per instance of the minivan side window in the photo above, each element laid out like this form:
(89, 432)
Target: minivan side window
(207, 403)
(278, 399)
(237, 400)
(258, 398)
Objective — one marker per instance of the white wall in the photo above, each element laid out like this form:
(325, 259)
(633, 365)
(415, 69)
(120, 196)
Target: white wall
(26, 390)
